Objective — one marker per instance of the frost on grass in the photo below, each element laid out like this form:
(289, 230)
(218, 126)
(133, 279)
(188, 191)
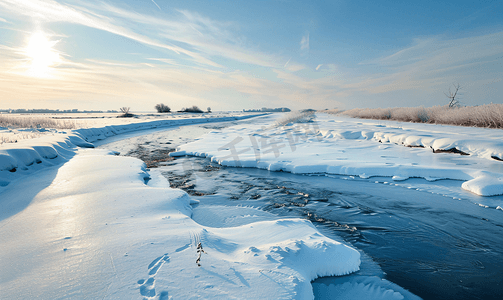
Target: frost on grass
(17, 128)
(297, 117)
(34, 122)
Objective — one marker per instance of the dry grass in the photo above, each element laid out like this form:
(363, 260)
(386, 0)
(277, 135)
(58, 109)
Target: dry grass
(488, 115)
(296, 117)
(34, 122)
(12, 135)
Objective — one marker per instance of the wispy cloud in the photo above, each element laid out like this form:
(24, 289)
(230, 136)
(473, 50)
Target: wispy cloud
(304, 43)
(203, 35)
(165, 60)
(295, 67)
(434, 62)
(318, 67)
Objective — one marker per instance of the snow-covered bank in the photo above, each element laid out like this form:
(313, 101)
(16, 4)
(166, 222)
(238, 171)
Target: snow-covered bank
(364, 148)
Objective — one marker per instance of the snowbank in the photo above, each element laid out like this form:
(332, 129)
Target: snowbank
(27, 156)
(364, 148)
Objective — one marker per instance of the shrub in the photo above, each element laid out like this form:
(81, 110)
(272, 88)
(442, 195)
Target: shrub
(193, 109)
(125, 112)
(423, 116)
(161, 108)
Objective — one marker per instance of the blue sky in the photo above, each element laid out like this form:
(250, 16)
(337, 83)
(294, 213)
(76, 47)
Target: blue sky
(231, 55)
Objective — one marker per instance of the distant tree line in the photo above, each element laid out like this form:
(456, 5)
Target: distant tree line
(265, 109)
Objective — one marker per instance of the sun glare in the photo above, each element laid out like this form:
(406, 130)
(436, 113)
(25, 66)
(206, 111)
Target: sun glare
(42, 57)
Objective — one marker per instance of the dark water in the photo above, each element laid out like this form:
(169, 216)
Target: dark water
(432, 245)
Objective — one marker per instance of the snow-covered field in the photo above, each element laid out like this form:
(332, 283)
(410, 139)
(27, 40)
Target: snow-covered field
(77, 222)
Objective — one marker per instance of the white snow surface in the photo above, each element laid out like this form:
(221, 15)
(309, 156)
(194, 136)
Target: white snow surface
(365, 148)
(83, 223)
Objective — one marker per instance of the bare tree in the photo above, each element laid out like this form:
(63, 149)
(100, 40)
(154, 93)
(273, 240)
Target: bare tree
(209, 109)
(453, 95)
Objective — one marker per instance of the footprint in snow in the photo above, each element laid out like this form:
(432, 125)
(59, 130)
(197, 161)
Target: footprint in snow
(147, 287)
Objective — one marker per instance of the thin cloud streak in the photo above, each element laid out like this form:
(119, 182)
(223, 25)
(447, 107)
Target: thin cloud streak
(157, 5)
(287, 62)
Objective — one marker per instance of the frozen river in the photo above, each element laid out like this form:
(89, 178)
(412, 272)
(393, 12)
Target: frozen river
(435, 246)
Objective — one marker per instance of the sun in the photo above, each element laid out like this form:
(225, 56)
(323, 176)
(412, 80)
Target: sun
(41, 55)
